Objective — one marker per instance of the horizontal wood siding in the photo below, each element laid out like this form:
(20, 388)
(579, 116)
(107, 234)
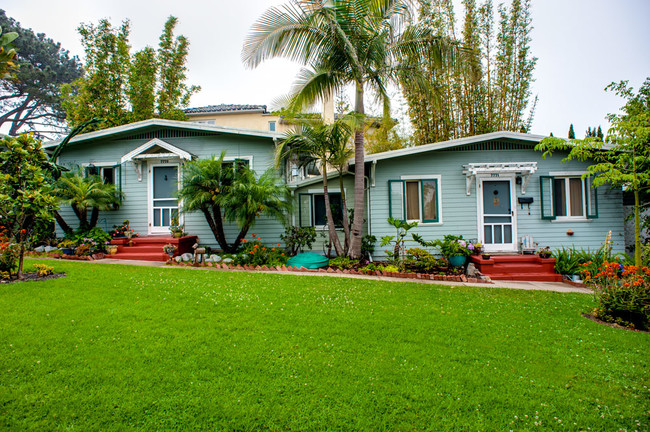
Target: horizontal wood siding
(460, 213)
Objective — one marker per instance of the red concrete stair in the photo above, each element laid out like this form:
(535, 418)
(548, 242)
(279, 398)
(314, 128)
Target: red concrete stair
(150, 248)
(518, 267)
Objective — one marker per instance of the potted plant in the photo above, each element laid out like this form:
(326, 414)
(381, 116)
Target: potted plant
(111, 249)
(485, 256)
(170, 249)
(478, 248)
(67, 246)
(455, 248)
(175, 228)
(545, 253)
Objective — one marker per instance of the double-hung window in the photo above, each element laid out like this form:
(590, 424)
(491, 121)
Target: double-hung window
(109, 173)
(568, 197)
(415, 199)
(311, 211)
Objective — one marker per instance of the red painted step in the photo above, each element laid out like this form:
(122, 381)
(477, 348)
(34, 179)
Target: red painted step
(150, 248)
(518, 267)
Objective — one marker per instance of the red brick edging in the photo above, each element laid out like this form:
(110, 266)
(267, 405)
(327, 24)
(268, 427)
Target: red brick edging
(283, 268)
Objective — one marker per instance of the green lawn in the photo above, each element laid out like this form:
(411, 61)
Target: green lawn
(133, 348)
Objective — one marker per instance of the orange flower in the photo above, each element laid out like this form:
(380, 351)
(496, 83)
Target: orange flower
(282, 253)
(278, 244)
(244, 240)
(253, 235)
(272, 249)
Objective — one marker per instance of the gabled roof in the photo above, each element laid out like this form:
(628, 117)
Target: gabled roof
(144, 150)
(174, 124)
(451, 144)
(225, 108)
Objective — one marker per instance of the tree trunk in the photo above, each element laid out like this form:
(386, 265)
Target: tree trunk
(62, 223)
(240, 236)
(346, 219)
(331, 228)
(216, 225)
(359, 175)
(637, 231)
(94, 217)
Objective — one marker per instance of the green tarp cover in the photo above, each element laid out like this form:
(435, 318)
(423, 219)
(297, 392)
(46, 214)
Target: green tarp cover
(310, 260)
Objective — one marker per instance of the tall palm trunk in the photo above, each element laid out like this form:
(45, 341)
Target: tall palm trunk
(331, 228)
(359, 175)
(346, 219)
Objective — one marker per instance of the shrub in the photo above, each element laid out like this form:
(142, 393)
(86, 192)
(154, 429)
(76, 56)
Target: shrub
(255, 253)
(296, 238)
(43, 270)
(622, 293)
(9, 254)
(450, 245)
(421, 261)
(368, 245)
(97, 238)
(343, 263)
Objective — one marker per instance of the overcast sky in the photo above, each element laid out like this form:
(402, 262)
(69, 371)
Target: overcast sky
(582, 45)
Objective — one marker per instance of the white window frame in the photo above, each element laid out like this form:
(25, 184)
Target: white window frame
(566, 175)
(419, 178)
(101, 166)
(314, 192)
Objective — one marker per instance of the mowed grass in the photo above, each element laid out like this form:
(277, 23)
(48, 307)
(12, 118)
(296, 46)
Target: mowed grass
(113, 348)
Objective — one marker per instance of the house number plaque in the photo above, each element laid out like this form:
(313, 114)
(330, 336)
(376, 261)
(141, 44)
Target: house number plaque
(164, 161)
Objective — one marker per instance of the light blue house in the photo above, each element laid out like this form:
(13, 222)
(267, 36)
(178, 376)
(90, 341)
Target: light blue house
(493, 188)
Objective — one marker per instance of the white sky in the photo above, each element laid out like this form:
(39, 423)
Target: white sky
(582, 45)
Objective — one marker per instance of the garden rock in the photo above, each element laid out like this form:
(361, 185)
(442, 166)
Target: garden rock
(471, 270)
(215, 258)
(39, 249)
(187, 257)
(50, 248)
(178, 259)
(227, 260)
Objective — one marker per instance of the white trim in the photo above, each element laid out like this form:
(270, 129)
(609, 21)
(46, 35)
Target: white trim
(525, 169)
(187, 125)
(234, 158)
(510, 247)
(99, 164)
(156, 142)
(453, 143)
(438, 179)
(151, 230)
(565, 175)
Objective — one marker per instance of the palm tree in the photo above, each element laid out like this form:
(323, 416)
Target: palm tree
(251, 197)
(232, 194)
(328, 145)
(205, 182)
(83, 194)
(342, 42)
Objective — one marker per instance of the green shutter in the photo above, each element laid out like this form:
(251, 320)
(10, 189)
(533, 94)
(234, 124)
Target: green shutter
(422, 200)
(304, 210)
(591, 193)
(117, 178)
(396, 207)
(546, 194)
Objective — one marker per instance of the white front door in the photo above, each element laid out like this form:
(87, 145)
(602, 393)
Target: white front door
(163, 202)
(497, 220)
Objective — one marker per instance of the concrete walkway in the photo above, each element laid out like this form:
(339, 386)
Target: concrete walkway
(525, 285)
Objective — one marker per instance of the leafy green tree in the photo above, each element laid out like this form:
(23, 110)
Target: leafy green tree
(87, 195)
(362, 43)
(32, 101)
(173, 93)
(624, 160)
(599, 134)
(7, 55)
(485, 86)
(223, 192)
(327, 145)
(25, 194)
(572, 134)
(122, 88)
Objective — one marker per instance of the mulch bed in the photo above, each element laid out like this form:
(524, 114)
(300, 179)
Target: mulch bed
(613, 325)
(33, 277)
